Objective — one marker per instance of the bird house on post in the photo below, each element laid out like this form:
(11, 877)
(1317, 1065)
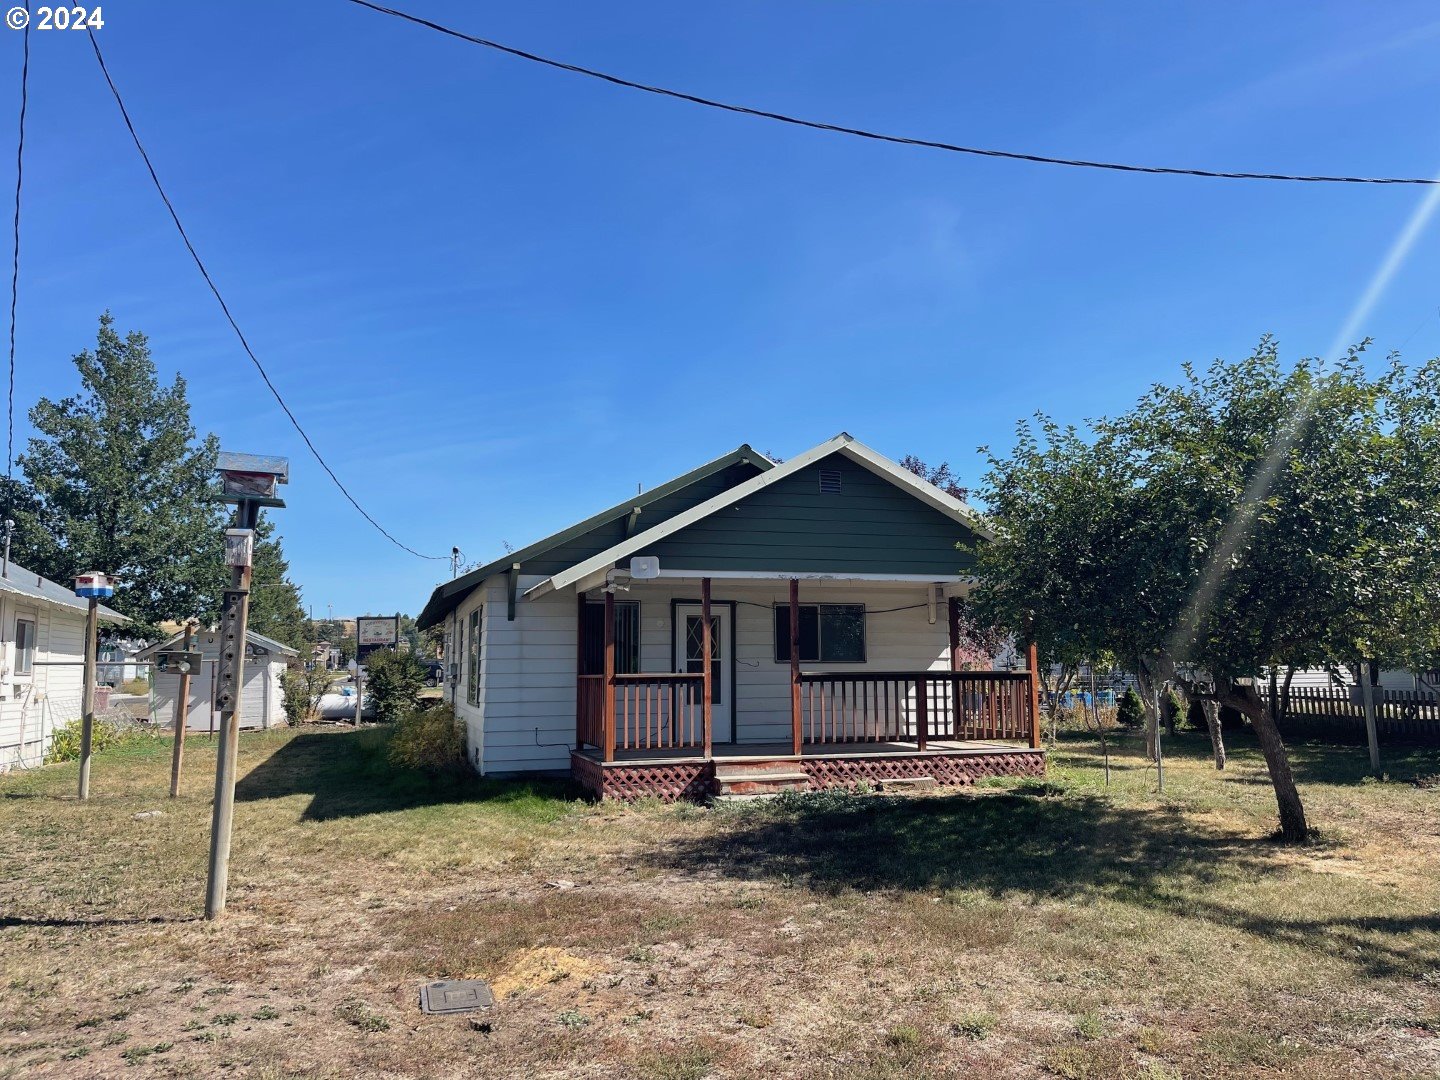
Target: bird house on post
(94, 586)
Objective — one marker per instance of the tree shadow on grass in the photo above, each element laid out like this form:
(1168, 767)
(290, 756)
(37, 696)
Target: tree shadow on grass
(1037, 847)
(347, 774)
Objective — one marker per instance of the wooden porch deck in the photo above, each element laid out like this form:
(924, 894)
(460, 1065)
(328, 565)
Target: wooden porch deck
(671, 775)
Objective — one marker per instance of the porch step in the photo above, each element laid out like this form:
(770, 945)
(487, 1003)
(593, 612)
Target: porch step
(908, 783)
(757, 779)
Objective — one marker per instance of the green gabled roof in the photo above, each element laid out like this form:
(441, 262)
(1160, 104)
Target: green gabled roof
(449, 596)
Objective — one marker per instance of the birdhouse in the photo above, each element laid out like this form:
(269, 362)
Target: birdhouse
(94, 586)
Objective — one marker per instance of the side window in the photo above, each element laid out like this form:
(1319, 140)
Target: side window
(24, 646)
(829, 633)
(627, 637)
(472, 690)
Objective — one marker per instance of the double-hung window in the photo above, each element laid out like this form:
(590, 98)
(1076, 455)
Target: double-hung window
(472, 689)
(829, 633)
(24, 646)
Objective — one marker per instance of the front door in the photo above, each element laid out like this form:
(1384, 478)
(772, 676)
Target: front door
(689, 657)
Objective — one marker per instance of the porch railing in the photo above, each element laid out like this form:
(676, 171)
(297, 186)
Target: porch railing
(651, 711)
(909, 706)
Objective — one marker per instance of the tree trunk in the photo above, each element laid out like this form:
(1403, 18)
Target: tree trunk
(1248, 700)
(1211, 709)
(1152, 719)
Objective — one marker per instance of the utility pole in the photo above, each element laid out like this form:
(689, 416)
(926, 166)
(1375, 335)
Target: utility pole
(454, 562)
(1367, 699)
(182, 715)
(249, 481)
(90, 587)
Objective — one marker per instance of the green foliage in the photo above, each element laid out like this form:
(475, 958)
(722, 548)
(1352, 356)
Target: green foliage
(301, 691)
(429, 739)
(105, 735)
(275, 607)
(115, 480)
(1131, 712)
(393, 682)
(1175, 706)
(1250, 515)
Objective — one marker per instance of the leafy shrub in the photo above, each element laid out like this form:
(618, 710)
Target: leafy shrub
(1175, 707)
(301, 692)
(428, 739)
(393, 682)
(105, 735)
(135, 686)
(1131, 713)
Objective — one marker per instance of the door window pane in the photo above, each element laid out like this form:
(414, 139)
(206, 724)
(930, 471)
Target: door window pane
(695, 649)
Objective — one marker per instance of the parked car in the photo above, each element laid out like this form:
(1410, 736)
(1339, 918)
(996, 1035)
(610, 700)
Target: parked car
(434, 672)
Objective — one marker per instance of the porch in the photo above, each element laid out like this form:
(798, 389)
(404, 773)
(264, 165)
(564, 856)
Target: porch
(654, 733)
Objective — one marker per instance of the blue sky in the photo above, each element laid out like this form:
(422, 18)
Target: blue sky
(499, 297)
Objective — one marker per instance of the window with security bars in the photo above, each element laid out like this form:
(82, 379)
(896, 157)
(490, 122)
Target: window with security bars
(695, 651)
(829, 633)
(627, 637)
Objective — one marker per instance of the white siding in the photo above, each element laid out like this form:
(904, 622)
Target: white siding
(261, 700)
(529, 666)
(31, 709)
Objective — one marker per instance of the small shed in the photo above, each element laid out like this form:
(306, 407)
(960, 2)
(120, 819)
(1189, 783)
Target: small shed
(261, 697)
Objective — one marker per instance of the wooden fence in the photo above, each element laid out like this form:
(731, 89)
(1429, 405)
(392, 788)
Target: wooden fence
(1339, 713)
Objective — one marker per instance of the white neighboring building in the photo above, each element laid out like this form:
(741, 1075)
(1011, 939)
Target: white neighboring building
(42, 642)
(261, 698)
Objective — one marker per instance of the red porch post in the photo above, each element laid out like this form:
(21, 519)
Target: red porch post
(607, 752)
(705, 651)
(579, 671)
(922, 712)
(1032, 661)
(795, 666)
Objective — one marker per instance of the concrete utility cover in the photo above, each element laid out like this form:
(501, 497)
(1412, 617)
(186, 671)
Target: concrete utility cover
(455, 995)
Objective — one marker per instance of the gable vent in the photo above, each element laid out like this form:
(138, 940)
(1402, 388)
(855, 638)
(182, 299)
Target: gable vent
(829, 481)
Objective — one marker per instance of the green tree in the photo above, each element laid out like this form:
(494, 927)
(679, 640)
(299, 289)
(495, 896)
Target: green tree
(118, 481)
(275, 607)
(393, 682)
(1239, 520)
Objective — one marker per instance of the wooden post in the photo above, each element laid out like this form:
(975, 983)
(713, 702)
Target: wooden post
(1367, 698)
(706, 647)
(230, 681)
(87, 720)
(1032, 661)
(954, 607)
(922, 712)
(607, 752)
(579, 671)
(182, 717)
(795, 666)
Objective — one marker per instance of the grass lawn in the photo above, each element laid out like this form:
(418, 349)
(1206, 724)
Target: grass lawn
(1026, 929)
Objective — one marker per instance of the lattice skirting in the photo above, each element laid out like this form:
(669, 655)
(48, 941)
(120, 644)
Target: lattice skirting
(691, 779)
(668, 782)
(947, 769)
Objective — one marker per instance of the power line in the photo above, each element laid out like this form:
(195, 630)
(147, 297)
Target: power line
(15, 264)
(125, 113)
(861, 133)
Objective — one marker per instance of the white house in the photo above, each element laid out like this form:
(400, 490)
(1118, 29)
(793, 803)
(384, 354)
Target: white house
(42, 642)
(832, 584)
(261, 698)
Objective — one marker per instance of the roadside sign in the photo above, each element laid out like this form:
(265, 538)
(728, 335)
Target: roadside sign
(375, 632)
